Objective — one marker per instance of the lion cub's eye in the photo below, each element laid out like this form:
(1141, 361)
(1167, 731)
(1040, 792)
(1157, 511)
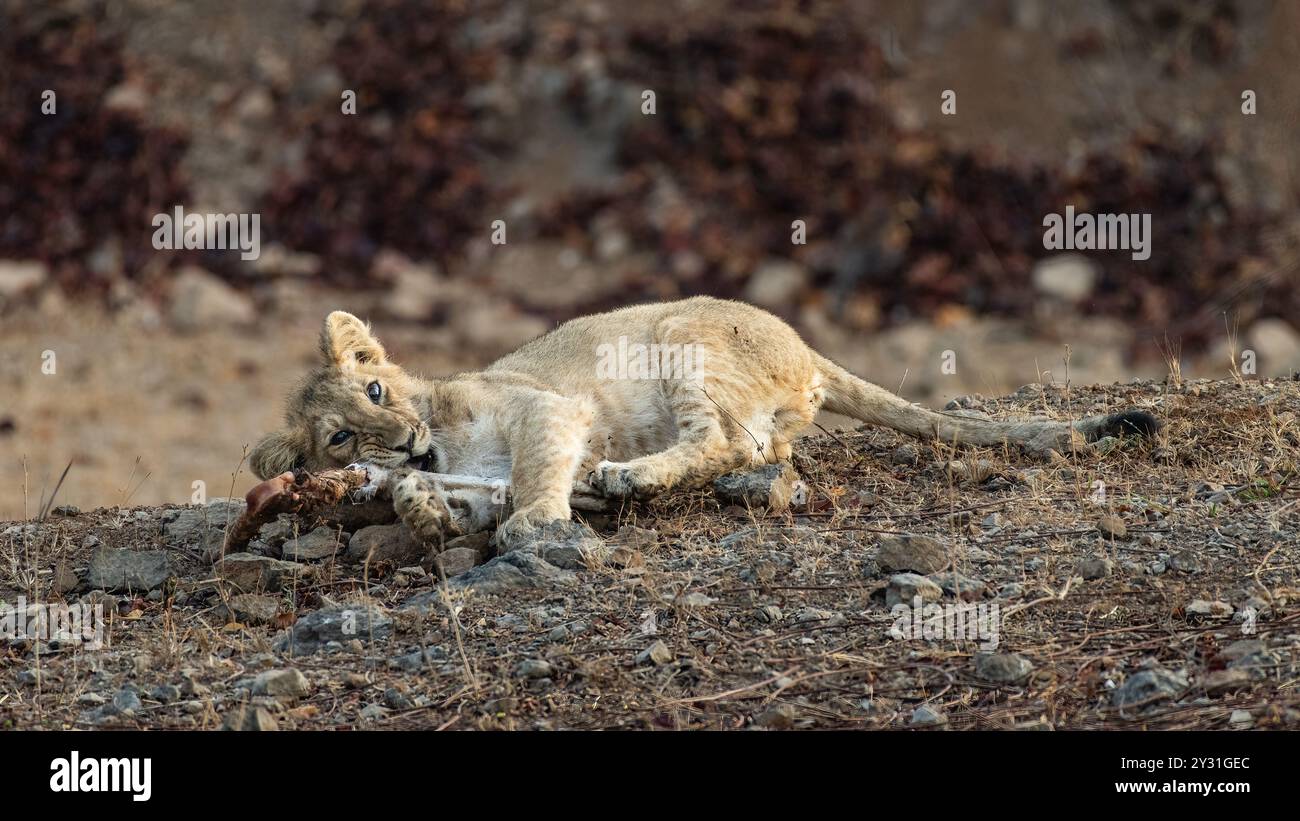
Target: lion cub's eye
(374, 390)
(340, 437)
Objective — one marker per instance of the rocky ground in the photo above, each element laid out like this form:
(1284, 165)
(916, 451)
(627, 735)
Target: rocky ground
(1137, 585)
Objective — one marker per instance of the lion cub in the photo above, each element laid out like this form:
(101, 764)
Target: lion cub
(623, 404)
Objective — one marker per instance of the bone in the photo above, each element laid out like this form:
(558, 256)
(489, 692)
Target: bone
(332, 496)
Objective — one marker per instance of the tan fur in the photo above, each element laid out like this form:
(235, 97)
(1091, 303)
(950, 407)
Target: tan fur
(547, 419)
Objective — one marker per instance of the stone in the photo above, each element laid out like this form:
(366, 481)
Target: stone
(1149, 686)
(456, 560)
(1002, 668)
(251, 573)
(1209, 609)
(961, 587)
(1112, 527)
(657, 654)
(128, 570)
(341, 624)
(516, 570)
(1241, 720)
(774, 487)
(254, 608)
(202, 526)
(905, 587)
(1067, 277)
(287, 683)
(248, 718)
(372, 712)
(200, 300)
(395, 544)
(419, 660)
(1185, 561)
(920, 554)
(18, 277)
(927, 716)
(769, 613)
(1277, 344)
(321, 543)
(1095, 567)
(1222, 681)
(776, 717)
(776, 284)
(534, 668)
(165, 693)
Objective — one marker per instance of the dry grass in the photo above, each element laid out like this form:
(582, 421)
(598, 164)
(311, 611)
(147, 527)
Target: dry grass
(1215, 495)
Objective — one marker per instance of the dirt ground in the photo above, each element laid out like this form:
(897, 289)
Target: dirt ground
(1163, 597)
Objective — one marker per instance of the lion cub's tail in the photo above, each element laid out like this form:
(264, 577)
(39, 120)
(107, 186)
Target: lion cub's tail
(848, 395)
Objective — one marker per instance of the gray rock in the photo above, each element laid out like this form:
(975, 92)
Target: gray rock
(419, 660)
(200, 300)
(657, 654)
(372, 712)
(254, 608)
(1222, 681)
(395, 699)
(905, 455)
(905, 587)
(534, 668)
(126, 701)
(128, 570)
(1185, 561)
(456, 560)
(921, 554)
(927, 716)
(287, 683)
(249, 718)
(1112, 527)
(516, 570)
(321, 543)
(777, 717)
(1149, 686)
(776, 283)
(961, 587)
(1095, 567)
(564, 544)
(1209, 609)
(1067, 277)
(769, 613)
(386, 543)
(1002, 668)
(311, 633)
(774, 487)
(203, 526)
(251, 573)
(1241, 720)
(165, 693)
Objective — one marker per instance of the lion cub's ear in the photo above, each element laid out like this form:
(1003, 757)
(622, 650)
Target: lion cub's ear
(346, 340)
(276, 453)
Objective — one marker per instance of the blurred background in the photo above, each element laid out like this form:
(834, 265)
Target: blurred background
(924, 229)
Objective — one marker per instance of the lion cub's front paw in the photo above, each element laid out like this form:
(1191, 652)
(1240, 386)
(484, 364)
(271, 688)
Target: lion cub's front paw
(622, 480)
(376, 480)
(422, 507)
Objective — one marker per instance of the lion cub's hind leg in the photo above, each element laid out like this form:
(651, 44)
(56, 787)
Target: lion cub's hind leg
(703, 451)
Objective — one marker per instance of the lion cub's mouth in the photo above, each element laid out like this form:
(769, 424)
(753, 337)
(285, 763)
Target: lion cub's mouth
(422, 462)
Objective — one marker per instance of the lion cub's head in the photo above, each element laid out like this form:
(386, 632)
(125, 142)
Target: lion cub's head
(356, 407)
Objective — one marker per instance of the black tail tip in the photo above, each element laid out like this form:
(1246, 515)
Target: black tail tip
(1129, 423)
